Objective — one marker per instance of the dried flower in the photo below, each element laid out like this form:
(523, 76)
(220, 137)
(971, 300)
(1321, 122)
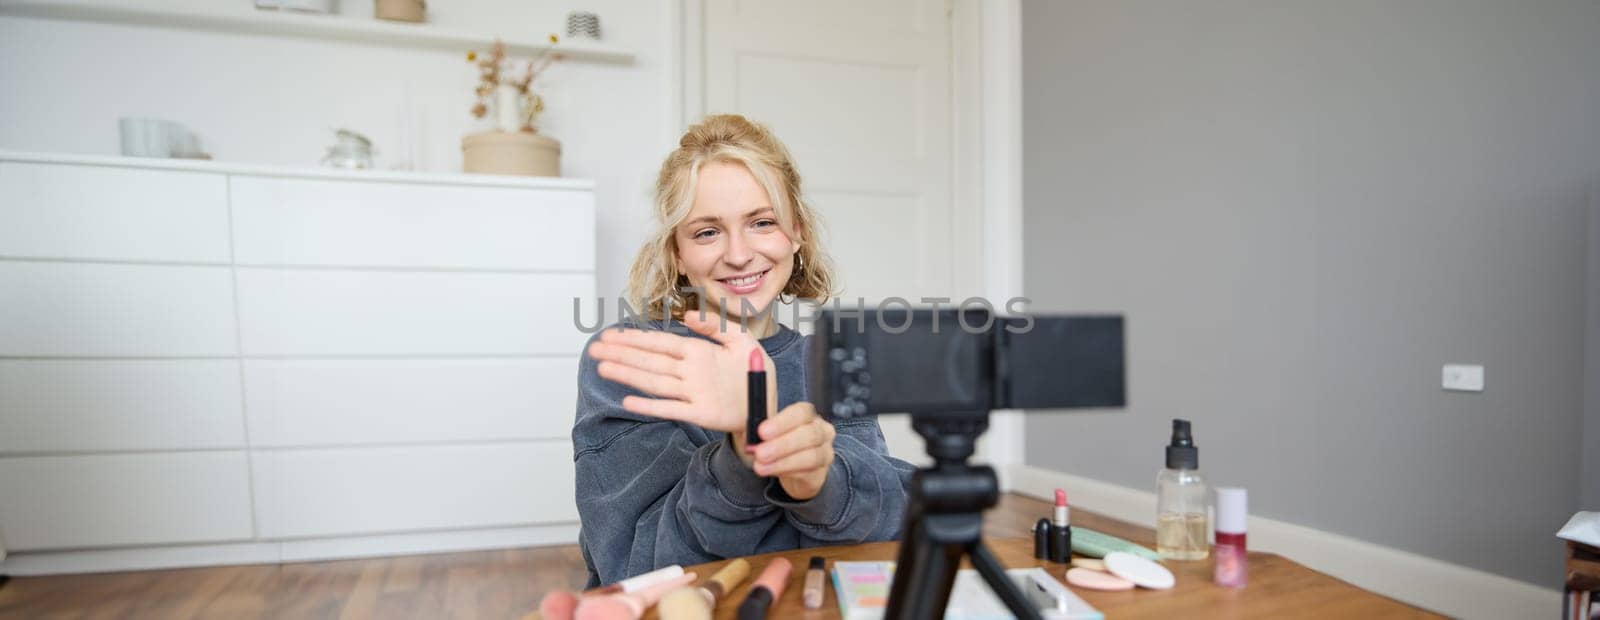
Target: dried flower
(494, 71)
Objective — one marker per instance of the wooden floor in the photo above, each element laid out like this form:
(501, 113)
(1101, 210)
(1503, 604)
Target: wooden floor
(480, 584)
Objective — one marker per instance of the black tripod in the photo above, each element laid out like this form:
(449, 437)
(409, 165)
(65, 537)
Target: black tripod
(944, 523)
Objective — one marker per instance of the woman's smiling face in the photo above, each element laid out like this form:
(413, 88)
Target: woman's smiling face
(732, 245)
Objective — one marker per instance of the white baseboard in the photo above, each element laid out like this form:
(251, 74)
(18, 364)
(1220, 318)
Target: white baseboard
(1446, 588)
(274, 552)
(431, 542)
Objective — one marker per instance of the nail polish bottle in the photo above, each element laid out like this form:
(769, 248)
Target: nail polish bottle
(1232, 563)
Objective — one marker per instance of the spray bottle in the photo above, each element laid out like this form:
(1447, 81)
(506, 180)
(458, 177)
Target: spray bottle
(1181, 500)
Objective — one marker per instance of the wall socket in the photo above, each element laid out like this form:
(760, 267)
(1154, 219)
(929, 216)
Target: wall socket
(1462, 377)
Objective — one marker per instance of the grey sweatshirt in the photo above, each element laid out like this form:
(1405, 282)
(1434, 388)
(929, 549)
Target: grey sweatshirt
(652, 493)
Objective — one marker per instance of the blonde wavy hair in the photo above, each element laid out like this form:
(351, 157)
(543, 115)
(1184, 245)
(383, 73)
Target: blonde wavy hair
(654, 281)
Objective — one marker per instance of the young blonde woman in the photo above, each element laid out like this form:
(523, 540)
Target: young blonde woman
(664, 472)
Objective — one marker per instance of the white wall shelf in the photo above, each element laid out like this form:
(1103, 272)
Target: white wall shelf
(240, 17)
(302, 172)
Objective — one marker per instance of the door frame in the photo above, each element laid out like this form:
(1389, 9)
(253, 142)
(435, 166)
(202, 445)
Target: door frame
(986, 135)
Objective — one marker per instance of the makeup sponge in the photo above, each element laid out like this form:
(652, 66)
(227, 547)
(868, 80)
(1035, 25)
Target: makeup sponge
(1143, 573)
(1089, 563)
(1096, 580)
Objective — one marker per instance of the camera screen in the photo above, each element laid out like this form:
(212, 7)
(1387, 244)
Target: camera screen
(920, 370)
(871, 362)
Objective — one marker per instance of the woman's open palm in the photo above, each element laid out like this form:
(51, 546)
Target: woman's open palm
(691, 380)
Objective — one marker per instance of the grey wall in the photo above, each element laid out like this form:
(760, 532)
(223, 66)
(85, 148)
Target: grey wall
(1305, 208)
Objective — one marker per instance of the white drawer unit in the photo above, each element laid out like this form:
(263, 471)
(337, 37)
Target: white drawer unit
(111, 500)
(53, 210)
(205, 363)
(116, 405)
(55, 309)
(319, 312)
(305, 403)
(281, 221)
(308, 493)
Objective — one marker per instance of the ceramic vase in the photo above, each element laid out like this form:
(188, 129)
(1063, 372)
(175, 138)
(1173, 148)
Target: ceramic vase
(508, 113)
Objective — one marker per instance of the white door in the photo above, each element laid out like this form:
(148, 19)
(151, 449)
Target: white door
(861, 94)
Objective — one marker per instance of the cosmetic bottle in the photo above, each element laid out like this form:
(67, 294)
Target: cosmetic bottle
(1181, 500)
(1232, 562)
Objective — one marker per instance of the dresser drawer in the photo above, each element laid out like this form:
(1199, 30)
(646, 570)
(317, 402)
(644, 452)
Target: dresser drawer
(93, 310)
(87, 405)
(352, 223)
(329, 492)
(94, 212)
(380, 401)
(124, 499)
(326, 312)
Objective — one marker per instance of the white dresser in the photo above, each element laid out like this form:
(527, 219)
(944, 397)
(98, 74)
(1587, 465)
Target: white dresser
(208, 364)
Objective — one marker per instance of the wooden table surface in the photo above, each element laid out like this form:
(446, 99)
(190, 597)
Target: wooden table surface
(1278, 588)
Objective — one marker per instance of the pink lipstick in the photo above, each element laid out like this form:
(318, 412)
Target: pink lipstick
(769, 586)
(757, 397)
(1061, 530)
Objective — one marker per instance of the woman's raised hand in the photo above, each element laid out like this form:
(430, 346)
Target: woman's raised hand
(797, 448)
(703, 383)
(691, 380)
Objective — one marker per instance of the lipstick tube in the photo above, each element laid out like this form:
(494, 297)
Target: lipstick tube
(768, 587)
(756, 395)
(1061, 530)
(1041, 539)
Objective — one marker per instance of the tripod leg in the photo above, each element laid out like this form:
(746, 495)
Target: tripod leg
(923, 576)
(913, 552)
(995, 576)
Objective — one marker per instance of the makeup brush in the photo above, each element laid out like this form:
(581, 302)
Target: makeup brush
(724, 581)
(627, 606)
(684, 603)
(638, 582)
(679, 605)
(558, 605)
